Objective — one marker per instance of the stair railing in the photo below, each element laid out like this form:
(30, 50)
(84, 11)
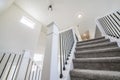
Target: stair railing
(109, 26)
(18, 67)
(67, 41)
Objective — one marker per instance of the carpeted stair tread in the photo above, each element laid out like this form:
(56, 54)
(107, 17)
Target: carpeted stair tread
(94, 42)
(96, 59)
(91, 40)
(106, 63)
(83, 74)
(99, 50)
(105, 59)
(97, 46)
(107, 52)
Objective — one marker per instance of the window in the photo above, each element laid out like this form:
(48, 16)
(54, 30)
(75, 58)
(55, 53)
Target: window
(27, 22)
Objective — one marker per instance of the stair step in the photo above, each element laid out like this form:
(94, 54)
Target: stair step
(107, 52)
(106, 63)
(97, 46)
(93, 42)
(96, 59)
(81, 74)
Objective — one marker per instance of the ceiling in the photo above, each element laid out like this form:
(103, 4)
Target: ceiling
(65, 12)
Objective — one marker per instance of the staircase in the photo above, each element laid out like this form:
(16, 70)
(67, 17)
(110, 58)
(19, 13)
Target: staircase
(96, 59)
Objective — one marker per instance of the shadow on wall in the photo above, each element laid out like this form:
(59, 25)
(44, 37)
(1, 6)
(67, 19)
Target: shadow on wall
(97, 33)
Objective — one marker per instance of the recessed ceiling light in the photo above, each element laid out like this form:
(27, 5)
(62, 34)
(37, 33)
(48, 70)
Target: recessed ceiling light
(27, 22)
(79, 16)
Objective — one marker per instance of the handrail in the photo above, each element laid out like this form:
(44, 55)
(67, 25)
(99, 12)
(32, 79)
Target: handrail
(67, 40)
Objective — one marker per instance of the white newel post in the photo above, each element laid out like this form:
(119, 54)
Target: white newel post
(23, 66)
(50, 64)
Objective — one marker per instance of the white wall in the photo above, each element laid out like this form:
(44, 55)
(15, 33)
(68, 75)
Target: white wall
(4, 4)
(42, 41)
(77, 32)
(15, 35)
(97, 32)
(39, 54)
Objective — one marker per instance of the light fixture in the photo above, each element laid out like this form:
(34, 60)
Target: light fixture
(84, 35)
(79, 16)
(50, 7)
(27, 22)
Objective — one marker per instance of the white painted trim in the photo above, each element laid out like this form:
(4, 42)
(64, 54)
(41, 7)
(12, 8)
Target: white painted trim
(66, 29)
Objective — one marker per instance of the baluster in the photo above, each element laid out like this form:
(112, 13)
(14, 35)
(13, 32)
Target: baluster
(118, 13)
(63, 50)
(7, 77)
(115, 29)
(66, 44)
(60, 38)
(111, 26)
(16, 66)
(116, 16)
(107, 26)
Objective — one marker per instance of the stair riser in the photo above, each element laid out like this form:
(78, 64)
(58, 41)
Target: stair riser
(82, 44)
(113, 66)
(79, 78)
(94, 48)
(97, 55)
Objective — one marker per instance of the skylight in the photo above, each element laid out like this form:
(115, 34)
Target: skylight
(27, 22)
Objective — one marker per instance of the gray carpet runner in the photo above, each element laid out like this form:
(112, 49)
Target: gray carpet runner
(96, 59)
